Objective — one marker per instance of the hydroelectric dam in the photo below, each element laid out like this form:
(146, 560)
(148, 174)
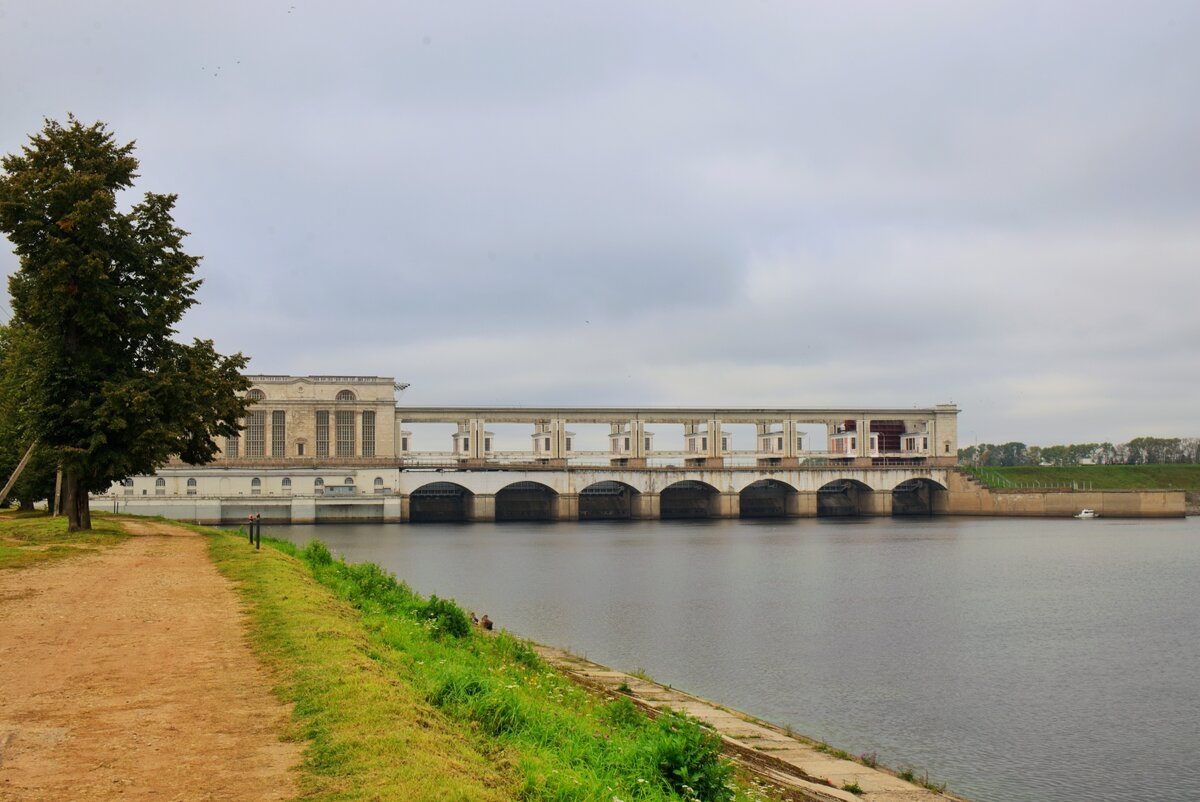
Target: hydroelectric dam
(316, 449)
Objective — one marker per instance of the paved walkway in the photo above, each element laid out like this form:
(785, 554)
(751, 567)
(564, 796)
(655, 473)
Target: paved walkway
(767, 750)
(126, 675)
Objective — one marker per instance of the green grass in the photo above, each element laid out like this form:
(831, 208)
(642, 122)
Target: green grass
(33, 538)
(397, 701)
(1098, 477)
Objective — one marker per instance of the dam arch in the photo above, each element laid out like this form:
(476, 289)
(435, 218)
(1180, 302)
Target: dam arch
(440, 502)
(917, 496)
(843, 498)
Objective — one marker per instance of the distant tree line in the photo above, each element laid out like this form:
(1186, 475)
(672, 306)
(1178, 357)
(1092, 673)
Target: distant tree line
(1138, 451)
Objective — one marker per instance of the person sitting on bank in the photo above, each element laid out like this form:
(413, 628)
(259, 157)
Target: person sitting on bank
(474, 618)
(485, 622)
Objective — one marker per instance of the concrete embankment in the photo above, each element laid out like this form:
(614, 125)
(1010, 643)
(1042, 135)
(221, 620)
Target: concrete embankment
(792, 762)
(967, 496)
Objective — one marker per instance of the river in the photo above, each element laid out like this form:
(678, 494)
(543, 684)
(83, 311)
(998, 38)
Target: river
(1016, 660)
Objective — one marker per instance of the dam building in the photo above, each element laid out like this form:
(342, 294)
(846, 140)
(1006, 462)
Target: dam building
(336, 448)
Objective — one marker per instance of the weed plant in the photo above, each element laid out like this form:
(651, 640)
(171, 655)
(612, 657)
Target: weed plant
(562, 742)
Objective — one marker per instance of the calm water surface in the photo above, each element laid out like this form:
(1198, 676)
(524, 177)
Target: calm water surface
(1014, 659)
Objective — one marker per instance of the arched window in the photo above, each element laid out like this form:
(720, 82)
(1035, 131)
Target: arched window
(191, 487)
(256, 395)
(287, 484)
(379, 481)
(349, 480)
(256, 486)
(160, 486)
(345, 395)
(128, 485)
(318, 486)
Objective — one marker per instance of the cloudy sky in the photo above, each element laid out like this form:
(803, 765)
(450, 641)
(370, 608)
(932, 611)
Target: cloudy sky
(995, 204)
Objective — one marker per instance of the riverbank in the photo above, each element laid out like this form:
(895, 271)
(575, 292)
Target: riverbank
(814, 769)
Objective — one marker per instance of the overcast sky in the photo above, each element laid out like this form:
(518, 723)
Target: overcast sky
(995, 204)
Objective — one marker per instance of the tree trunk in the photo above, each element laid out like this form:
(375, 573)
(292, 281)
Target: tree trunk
(71, 500)
(26, 504)
(85, 510)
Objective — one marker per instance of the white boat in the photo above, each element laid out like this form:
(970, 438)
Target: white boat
(1086, 513)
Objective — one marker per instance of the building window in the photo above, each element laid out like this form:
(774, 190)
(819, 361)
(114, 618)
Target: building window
(487, 444)
(568, 444)
(853, 443)
(378, 484)
(278, 433)
(925, 443)
(299, 449)
(287, 485)
(626, 443)
(323, 433)
(256, 395)
(256, 424)
(947, 446)
(466, 444)
(404, 444)
(368, 434)
(704, 444)
(160, 487)
(724, 444)
(191, 487)
(547, 443)
(647, 443)
(231, 447)
(345, 395)
(256, 486)
(345, 433)
(318, 486)
(127, 484)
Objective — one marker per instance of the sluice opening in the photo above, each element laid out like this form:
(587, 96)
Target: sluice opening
(766, 498)
(841, 498)
(687, 499)
(606, 501)
(525, 501)
(439, 502)
(915, 497)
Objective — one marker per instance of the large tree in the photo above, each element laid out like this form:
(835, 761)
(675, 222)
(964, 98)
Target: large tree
(97, 297)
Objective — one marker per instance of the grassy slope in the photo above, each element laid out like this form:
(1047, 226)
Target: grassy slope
(32, 538)
(397, 707)
(1103, 477)
(371, 736)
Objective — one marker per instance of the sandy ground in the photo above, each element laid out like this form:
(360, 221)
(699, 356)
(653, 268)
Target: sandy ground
(126, 675)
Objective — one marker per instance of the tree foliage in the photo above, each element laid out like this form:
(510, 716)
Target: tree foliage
(16, 432)
(97, 296)
(1138, 451)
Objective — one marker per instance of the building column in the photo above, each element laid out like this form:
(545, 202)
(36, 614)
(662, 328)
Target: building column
(878, 502)
(393, 510)
(476, 432)
(636, 458)
(481, 507)
(725, 505)
(644, 507)
(802, 504)
(566, 507)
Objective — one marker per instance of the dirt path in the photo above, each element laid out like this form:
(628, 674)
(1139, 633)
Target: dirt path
(126, 675)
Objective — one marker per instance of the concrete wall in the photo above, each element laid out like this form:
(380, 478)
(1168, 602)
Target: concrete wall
(967, 497)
